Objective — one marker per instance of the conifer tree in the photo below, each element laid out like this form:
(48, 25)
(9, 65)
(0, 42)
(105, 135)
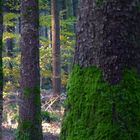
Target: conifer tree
(30, 109)
(56, 48)
(104, 88)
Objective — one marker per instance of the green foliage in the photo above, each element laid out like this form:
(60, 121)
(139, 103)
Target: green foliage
(49, 116)
(45, 59)
(45, 116)
(98, 111)
(12, 76)
(43, 5)
(67, 22)
(67, 37)
(10, 19)
(12, 5)
(45, 20)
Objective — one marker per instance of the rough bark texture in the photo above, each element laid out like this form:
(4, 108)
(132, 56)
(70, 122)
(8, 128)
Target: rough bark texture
(103, 91)
(1, 69)
(56, 48)
(30, 118)
(107, 36)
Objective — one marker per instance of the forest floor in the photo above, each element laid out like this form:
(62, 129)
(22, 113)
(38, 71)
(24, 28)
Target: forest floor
(51, 126)
(51, 131)
(8, 135)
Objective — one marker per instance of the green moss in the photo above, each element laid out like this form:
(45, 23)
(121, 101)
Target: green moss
(29, 127)
(31, 90)
(27, 92)
(99, 2)
(138, 6)
(49, 116)
(25, 126)
(27, 130)
(99, 111)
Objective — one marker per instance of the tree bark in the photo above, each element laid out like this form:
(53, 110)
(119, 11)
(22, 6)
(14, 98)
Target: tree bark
(30, 110)
(56, 49)
(10, 45)
(107, 40)
(103, 91)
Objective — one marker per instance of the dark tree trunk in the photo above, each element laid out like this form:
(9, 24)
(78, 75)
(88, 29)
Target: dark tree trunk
(69, 6)
(56, 48)
(10, 44)
(103, 92)
(30, 108)
(108, 39)
(75, 7)
(1, 69)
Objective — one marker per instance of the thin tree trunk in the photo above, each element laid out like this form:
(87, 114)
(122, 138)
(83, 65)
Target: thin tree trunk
(30, 110)
(1, 69)
(56, 49)
(10, 44)
(75, 7)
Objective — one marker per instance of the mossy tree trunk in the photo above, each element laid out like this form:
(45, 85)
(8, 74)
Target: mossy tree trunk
(103, 91)
(1, 69)
(30, 107)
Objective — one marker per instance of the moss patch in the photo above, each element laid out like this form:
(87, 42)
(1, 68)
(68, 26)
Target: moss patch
(29, 127)
(25, 126)
(30, 90)
(99, 111)
(27, 130)
(99, 2)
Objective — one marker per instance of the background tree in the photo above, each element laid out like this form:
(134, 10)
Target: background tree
(56, 49)
(103, 91)
(12, 64)
(30, 110)
(75, 7)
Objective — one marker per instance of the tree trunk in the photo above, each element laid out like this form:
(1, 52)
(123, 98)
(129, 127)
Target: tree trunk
(10, 45)
(75, 7)
(56, 49)
(1, 69)
(30, 108)
(103, 92)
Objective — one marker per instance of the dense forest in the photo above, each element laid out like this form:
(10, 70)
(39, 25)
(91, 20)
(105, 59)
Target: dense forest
(69, 70)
